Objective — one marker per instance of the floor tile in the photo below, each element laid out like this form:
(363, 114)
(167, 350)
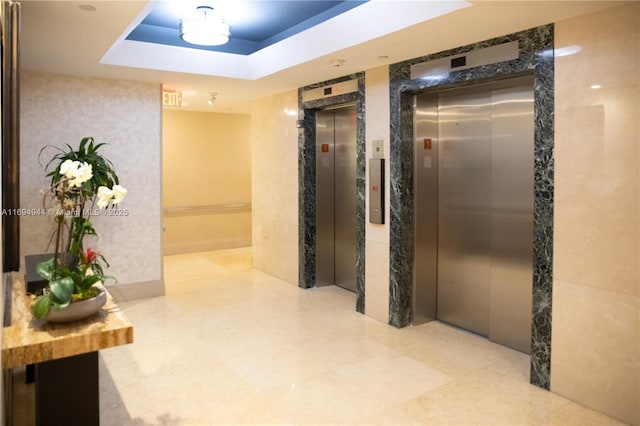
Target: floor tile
(230, 345)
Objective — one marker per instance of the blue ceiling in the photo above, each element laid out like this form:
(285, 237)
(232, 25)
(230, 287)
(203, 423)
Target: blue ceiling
(255, 24)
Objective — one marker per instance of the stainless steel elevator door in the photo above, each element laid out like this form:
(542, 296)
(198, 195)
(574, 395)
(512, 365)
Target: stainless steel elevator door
(464, 211)
(512, 148)
(474, 210)
(336, 197)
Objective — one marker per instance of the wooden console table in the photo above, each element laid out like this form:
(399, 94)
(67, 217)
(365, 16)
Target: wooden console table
(65, 357)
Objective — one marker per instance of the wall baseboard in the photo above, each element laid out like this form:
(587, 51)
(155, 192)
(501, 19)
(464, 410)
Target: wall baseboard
(134, 291)
(206, 245)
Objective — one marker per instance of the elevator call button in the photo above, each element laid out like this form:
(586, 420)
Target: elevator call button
(376, 190)
(427, 143)
(325, 147)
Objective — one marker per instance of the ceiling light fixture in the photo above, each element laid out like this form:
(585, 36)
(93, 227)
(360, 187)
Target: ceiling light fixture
(212, 98)
(205, 28)
(567, 50)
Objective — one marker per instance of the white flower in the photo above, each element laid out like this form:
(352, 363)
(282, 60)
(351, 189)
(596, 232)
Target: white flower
(76, 173)
(119, 192)
(68, 168)
(83, 174)
(104, 196)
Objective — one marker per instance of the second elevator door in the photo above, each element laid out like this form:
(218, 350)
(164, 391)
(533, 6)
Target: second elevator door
(336, 197)
(474, 210)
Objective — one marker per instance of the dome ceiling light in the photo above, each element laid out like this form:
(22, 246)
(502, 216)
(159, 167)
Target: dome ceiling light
(205, 28)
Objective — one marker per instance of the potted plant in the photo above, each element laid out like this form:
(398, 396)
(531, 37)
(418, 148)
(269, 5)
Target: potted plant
(83, 184)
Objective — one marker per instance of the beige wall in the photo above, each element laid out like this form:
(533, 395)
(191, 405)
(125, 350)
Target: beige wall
(206, 163)
(60, 109)
(275, 186)
(596, 289)
(596, 342)
(377, 236)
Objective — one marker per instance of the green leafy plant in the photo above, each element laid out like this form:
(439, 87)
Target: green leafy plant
(82, 183)
(67, 285)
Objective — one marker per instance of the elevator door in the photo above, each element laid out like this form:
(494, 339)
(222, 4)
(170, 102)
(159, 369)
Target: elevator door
(336, 197)
(474, 210)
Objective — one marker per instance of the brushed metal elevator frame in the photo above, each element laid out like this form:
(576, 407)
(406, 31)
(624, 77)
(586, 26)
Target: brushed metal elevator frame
(535, 57)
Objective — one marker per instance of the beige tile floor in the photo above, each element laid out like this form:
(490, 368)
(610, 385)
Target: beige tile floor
(230, 345)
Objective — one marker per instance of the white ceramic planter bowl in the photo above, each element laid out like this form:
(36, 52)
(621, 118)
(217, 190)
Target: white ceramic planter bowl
(78, 310)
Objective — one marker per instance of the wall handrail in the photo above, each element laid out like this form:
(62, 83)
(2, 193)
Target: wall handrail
(207, 209)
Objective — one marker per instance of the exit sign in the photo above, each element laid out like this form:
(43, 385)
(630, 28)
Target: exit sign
(171, 98)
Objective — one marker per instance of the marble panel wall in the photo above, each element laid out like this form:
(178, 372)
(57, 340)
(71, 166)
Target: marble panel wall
(596, 288)
(61, 109)
(274, 185)
(377, 235)
(307, 182)
(535, 57)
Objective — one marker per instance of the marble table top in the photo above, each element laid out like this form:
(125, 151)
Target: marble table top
(30, 341)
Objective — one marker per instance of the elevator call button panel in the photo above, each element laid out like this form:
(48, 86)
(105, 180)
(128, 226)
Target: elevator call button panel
(376, 190)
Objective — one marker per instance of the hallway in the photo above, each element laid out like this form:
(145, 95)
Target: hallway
(231, 345)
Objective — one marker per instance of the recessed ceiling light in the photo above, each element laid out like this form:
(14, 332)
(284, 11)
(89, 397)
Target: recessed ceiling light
(87, 7)
(595, 86)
